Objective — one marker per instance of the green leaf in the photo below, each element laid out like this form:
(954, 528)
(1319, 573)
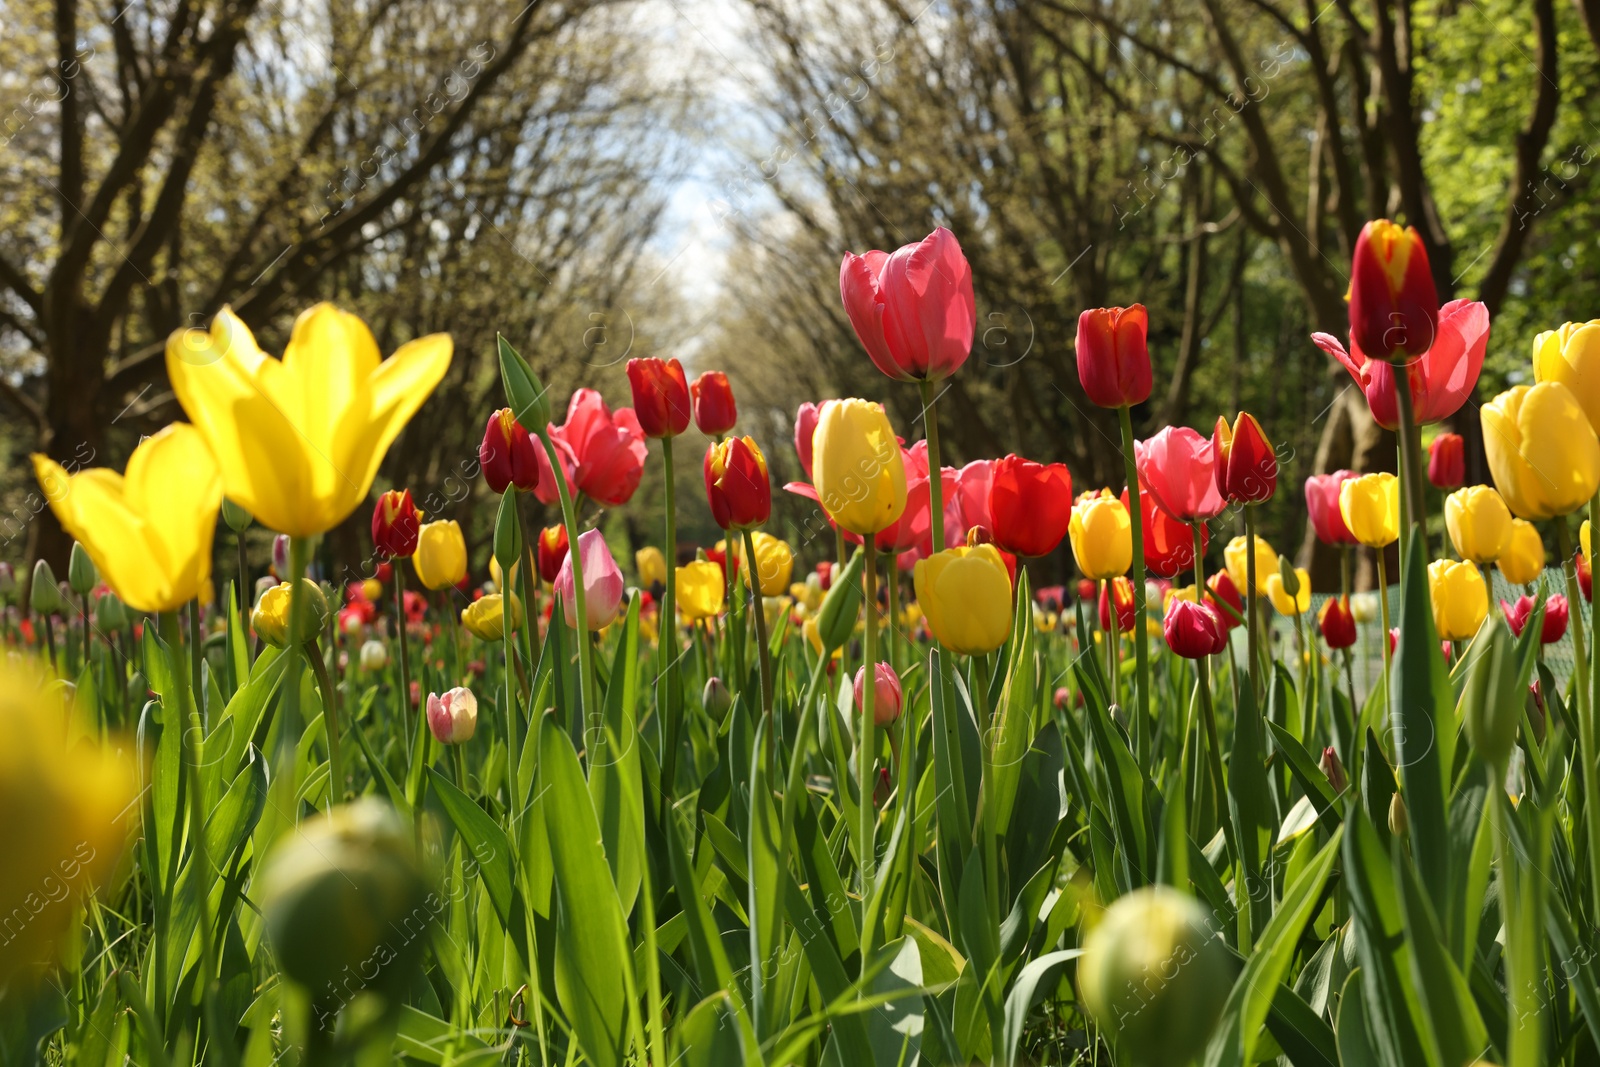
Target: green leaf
(612, 751)
(1036, 979)
(490, 850)
(1423, 723)
(1450, 1018)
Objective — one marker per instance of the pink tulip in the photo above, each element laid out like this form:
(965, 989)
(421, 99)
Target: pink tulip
(972, 495)
(1441, 379)
(1177, 467)
(885, 694)
(913, 311)
(453, 717)
(602, 583)
(609, 448)
(805, 427)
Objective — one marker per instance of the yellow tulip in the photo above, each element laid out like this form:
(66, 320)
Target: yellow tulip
(299, 440)
(68, 803)
(700, 590)
(1571, 356)
(1479, 523)
(651, 565)
(270, 617)
(441, 557)
(148, 531)
(1460, 599)
(1370, 507)
(1102, 536)
(372, 589)
(496, 577)
(1237, 558)
(1542, 451)
(1522, 559)
(1282, 601)
(1583, 538)
(965, 595)
(484, 618)
(774, 563)
(856, 466)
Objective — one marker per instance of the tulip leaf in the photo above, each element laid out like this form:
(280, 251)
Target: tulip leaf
(1423, 724)
(1307, 774)
(1012, 729)
(490, 850)
(612, 750)
(1033, 982)
(1449, 1016)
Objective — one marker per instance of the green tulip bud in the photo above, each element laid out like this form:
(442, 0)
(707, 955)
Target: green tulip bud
(1399, 821)
(524, 391)
(237, 518)
(8, 581)
(1286, 574)
(507, 534)
(837, 620)
(1490, 707)
(1155, 976)
(110, 613)
(715, 698)
(43, 595)
(81, 575)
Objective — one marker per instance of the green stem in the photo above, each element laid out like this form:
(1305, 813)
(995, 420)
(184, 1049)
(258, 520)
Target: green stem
(1591, 757)
(289, 728)
(1410, 458)
(1252, 606)
(330, 722)
(1208, 714)
(866, 751)
(1141, 634)
(935, 469)
(1383, 611)
(405, 660)
(759, 611)
(667, 642)
(569, 516)
(508, 647)
(991, 850)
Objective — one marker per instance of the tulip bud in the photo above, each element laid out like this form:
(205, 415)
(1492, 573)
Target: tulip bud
(441, 556)
(507, 534)
(81, 575)
(1102, 535)
(1334, 770)
(660, 396)
(1061, 698)
(270, 619)
(1460, 598)
(965, 595)
(1399, 821)
(1447, 461)
(1490, 710)
(1247, 467)
(280, 556)
(714, 409)
(552, 551)
(651, 565)
(1521, 560)
(110, 613)
(603, 586)
(1370, 507)
(508, 457)
(1154, 973)
(1394, 305)
(1337, 624)
(1534, 702)
(837, 620)
(530, 404)
(885, 694)
(715, 698)
(737, 485)
(1192, 630)
(453, 717)
(1478, 522)
(396, 525)
(44, 597)
(1114, 356)
(374, 656)
(341, 897)
(237, 518)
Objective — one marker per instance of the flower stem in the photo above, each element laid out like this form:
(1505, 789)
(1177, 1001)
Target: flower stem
(1141, 634)
(757, 609)
(569, 516)
(667, 641)
(1208, 714)
(1410, 458)
(1252, 607)
(935, 469)
(866, 752)
(330, 721)
(1383, 612)
(1587, 726)
(405, 659)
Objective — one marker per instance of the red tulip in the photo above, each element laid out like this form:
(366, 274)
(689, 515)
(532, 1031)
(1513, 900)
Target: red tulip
(1168, 543)
(395, 525)
(1193, 630)
(1247, 467)
(825, 575)
(1394, 307)
(1051, 597)
(1030, 504)
(606, 451)
(1337, 624)
(552, 551)
(805, 427)
(1585, 576)
(736, 483)
(1177, 467)
(1086, 588)
(1556, 616)
(981, 535)
(1447, 461)
(1113, 358)
(660, 396)
(714, 409)
(507, 455)
(1322, 504)
(1121, 590)
(385, 570)
(547, 491)
(1224, 598)
(1334, 770)
(913, 311)
(1441, 380)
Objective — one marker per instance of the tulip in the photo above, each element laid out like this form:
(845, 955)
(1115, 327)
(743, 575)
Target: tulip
(44, 595)
(1370, 507)
(1030, 504)
(965, 594)
(857, 468)
(886, 696)
(1365, 607)
(373, 656)
(971, 498)
(1247, 467)
(1177, 467)
(507, 455)
(1322, 505)
(737, 486)
(1460, 599)
(299, 441)
(81, 576)
(605, 450)
(1571, 355)
(270, 617)
(1168, 542)
(1521, 560)
(1334, 770)
(651, 565)
(1119, 590)
(1237, 558)
(1224, 598)
(1447, 462)
(913, 311)
(484, 618)
(1394, 307)
(1113, 357)
(453, 716)
(552, 551)
(1556, 615)
(280, 555)
(109, 613)
(1297, 603)
(602, 583)
(774, 563)
(1542, 451)
(1192, 630)
(396, 525)
(1441, 380)
(660, 396)
(701, 588)
(1585, 576)
(1337, 623)
(1102, 535)
(148, 530)
(714, 409)
(805, 428)
(1478, 522)
(441, 556)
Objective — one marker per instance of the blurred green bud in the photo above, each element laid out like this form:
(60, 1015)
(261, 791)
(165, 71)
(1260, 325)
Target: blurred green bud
(1491, 707)
(345, 902)
(1287, 575)
(8, 581)
(237, 518)
(43, 596)
(270, 618)
(110, 613)
(81, 575)
(525, 393)
(1399, 821)
(1154, 974)
(507, 534)
(715, 698)
(837, 619)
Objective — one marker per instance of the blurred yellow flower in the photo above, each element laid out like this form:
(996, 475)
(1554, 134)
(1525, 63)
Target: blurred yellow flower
(484, 618)
(1522, 559)
(700, 590)
(1282, 601)
(441, 557)
(1237, 558)
(496, 577)
(651, 565)
(774, 563)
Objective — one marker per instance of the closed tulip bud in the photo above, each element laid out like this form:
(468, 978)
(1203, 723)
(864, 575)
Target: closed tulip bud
(270, 618)
(1193, 631)
(737, 486)
(441, 556)
(484, 618)
(965, 595)
(885, 694)
(552, 551)
(1447, 461)
(507, 454)
(714, 409)
(1460, 599)
(774, 564)
(660, 396)
(1102, 535)
(1117, 592)
(237, 518)
(1364, 607)
(1399, 821)
(1154, 973)
(530, 403)
(1478, 522)
(1247, 467)
(651, 565)
(715, 698)
(280, 555)
(1337, 624)
(857, 467)
(110, 613)
(913, 310)
(1370, 507)
(1542, 451)
(1394, 306)
(81, 575)
(507, 534)
(1030, 505)
(1334, 770)
(453, 716)
(374, 656)
(1322, 505)
(805, 428)
(1113, 355)
(396, 524)
(603, 586)
(1287, 601)
(1062, 698)
(44, 596)
(700, 590)
(1237, 558)
(1580, 563)
(1521, 560)
(837, 619)
(1571, 355)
